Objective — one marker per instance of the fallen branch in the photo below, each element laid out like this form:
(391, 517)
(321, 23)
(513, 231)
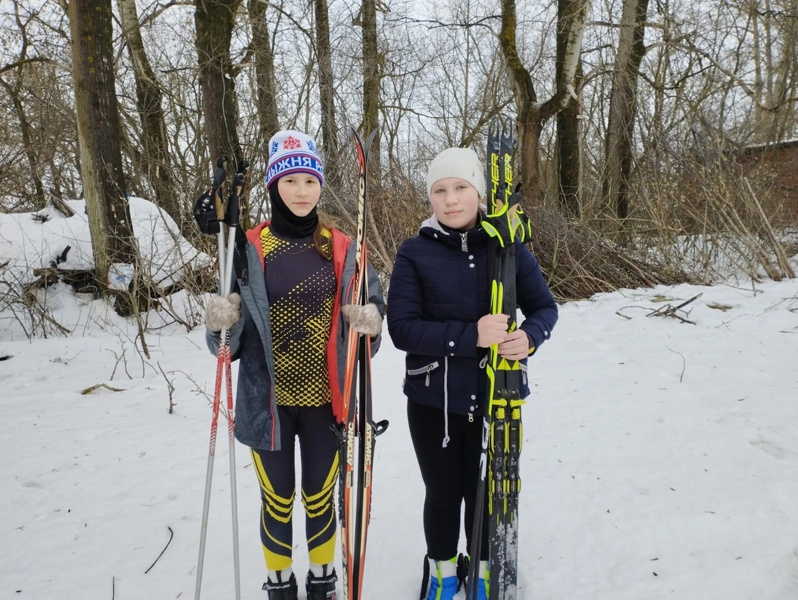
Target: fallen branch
(171, 390)
(670, 311)
(97, 386)
(684, 364)
(61, 206)
(171, 535)
(782, 259)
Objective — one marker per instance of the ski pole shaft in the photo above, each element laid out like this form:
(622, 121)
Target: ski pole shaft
(232, 454)
(479, 512)
(209, 471)
(232, 219)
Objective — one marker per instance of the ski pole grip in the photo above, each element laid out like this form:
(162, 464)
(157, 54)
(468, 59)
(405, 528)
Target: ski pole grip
(219, 176)
(234, 203)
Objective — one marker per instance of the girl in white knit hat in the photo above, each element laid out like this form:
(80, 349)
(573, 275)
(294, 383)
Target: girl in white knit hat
(288, 330)
(440, 315)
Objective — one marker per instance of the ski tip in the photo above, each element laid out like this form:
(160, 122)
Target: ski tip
(355, 136)
(372, 135)
(361, 146)
(508, 126)
(494, 125)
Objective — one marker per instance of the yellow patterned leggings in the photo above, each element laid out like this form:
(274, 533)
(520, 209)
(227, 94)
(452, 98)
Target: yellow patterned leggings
(276, 473)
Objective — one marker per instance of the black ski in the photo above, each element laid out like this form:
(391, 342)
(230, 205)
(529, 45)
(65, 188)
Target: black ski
(499, 482)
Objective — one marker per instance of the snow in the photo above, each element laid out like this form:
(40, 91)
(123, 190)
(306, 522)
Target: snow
(660, 459)
(33, 240)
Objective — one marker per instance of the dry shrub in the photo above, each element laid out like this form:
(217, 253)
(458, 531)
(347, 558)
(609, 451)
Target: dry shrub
(579, 261)
(398, 212)
(709, 220)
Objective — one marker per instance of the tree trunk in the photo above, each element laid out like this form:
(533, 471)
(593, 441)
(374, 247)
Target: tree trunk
(569, 161)
(91, 28)
(266, 98)
(329, 131)
(26, 129)
(623, 101)
(214, 21)
(157, 164)
(569, 155)
(371, 110)
(371, 82)
(530, 114)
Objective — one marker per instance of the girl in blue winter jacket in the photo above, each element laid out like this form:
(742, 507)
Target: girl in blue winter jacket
(440, 315)
(288, 329)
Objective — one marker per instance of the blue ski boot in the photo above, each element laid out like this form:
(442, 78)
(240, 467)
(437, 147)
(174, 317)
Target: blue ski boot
(442, 582)
(484, 578)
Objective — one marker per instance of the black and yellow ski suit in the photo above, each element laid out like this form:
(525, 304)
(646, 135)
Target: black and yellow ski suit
(290, 342)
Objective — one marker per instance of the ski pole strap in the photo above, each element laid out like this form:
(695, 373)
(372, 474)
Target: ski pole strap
(209, 208)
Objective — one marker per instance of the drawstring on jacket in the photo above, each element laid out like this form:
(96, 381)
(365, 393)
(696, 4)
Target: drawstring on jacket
(445, 401)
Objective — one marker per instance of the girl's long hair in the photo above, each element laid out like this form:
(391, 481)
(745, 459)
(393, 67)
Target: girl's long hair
(322, 235)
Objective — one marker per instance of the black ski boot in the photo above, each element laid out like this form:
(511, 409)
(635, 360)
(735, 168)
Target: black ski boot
(321, 588)
(462, 570)
(281, 590)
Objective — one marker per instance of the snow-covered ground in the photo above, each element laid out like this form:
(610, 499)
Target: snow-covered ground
(660, 456)
(660, 461)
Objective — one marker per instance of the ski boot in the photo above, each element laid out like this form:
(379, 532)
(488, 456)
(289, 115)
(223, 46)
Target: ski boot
(462, 570)
(321, 587)
(441, 580)
(482, 582)
(281, 590)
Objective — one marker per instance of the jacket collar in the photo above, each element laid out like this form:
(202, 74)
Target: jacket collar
(432, 228)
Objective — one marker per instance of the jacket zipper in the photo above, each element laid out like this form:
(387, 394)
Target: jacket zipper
(464, 242)
(430, 367)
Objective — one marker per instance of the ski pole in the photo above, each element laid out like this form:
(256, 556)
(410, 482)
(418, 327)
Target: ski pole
(228, 215)
(231, 219)
(209, 212)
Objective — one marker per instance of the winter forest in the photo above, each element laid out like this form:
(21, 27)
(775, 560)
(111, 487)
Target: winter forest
(658, 150)
(640, 124)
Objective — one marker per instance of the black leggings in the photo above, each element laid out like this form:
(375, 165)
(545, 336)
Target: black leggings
(450, 475)
(318, 447)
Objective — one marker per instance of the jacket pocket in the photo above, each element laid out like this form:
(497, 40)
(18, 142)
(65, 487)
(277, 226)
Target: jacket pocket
(425, 370)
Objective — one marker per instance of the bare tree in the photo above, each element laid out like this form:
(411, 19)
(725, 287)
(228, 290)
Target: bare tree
(623, 102)
(99, 134)
(774, 29)
(530, 114)
(371, 78)
(155, 157)
(265, 93)
(569, 152)
(15, 93)
(214, 21)
(329, 132)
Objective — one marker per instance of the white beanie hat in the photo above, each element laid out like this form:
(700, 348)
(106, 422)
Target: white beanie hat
(457, 162)
(293, 152)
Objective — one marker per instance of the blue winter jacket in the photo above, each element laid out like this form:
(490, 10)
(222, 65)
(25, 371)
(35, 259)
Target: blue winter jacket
(439, 290)
(257, 424)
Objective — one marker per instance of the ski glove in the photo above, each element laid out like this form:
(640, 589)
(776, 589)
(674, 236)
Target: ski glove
(364, 319)
(223, 312)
